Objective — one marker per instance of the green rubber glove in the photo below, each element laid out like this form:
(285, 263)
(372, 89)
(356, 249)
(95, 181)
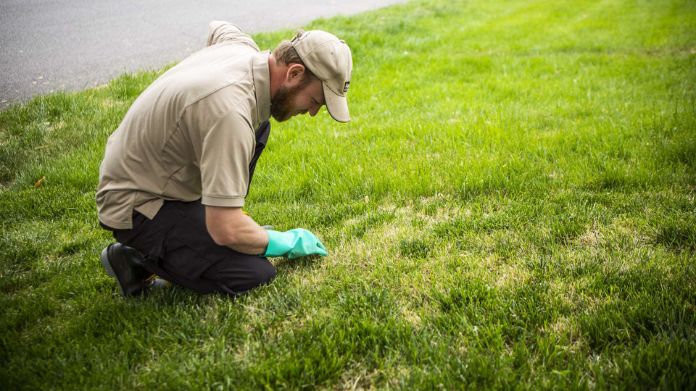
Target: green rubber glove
(293, 244)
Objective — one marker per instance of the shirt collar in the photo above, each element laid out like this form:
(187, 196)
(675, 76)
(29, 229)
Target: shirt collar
(262, 85)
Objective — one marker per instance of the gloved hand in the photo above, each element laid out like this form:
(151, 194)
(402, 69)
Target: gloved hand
(293, 244)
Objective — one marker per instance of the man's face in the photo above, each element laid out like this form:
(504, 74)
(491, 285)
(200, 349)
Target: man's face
(292, 99)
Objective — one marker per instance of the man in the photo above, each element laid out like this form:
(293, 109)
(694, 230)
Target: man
(176, 171)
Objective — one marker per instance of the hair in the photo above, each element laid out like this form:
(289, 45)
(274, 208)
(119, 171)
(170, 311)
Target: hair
(285, 52)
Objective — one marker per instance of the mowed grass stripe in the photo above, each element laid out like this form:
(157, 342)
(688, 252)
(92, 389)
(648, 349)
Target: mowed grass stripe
(511, 206)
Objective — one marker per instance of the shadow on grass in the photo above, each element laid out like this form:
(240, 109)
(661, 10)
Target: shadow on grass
(290, 265)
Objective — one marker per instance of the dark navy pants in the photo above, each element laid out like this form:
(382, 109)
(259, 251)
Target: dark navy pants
(178, 248)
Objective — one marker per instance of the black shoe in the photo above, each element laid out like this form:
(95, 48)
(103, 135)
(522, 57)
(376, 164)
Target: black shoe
(125, 264)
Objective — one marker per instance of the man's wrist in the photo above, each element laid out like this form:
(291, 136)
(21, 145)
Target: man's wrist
(277, 245)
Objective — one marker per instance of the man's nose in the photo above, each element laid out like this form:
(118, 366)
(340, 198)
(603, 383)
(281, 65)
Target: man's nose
(314, 110)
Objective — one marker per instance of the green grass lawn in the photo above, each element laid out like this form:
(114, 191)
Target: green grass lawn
(512, 206)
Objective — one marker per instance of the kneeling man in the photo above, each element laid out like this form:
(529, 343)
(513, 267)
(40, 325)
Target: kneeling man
(178, 168)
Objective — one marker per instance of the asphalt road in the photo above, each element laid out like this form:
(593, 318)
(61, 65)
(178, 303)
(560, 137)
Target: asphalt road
(51, 45)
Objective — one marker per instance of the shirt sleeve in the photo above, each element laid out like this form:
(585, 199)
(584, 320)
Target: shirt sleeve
(224, 32)
(226, 151)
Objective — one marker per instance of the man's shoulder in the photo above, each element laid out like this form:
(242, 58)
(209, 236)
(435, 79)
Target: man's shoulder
(216, 72)
(220, 32)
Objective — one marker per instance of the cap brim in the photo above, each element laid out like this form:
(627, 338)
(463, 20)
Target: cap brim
(336, 105)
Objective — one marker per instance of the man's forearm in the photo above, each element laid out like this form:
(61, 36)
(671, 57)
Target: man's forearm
(232, 228)
(250, 238)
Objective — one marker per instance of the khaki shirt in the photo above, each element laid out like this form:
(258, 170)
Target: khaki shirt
(190, 134)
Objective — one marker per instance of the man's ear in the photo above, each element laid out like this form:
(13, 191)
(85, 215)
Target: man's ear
(295, 74)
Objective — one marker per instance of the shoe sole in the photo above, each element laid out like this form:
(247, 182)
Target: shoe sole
(156, 283)
(159, 283)
(104, 257)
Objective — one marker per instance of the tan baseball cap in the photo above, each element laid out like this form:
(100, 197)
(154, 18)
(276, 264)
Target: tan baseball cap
(330, 60)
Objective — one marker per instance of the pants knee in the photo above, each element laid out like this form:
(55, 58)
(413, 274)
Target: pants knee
(264, 273)
(240, 277)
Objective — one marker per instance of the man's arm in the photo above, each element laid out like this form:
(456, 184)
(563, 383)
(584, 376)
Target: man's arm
(232, 228)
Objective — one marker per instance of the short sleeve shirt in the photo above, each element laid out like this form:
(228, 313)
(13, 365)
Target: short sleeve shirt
(190, 134)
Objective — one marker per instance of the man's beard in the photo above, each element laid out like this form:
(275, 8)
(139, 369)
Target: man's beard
(280, 104)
